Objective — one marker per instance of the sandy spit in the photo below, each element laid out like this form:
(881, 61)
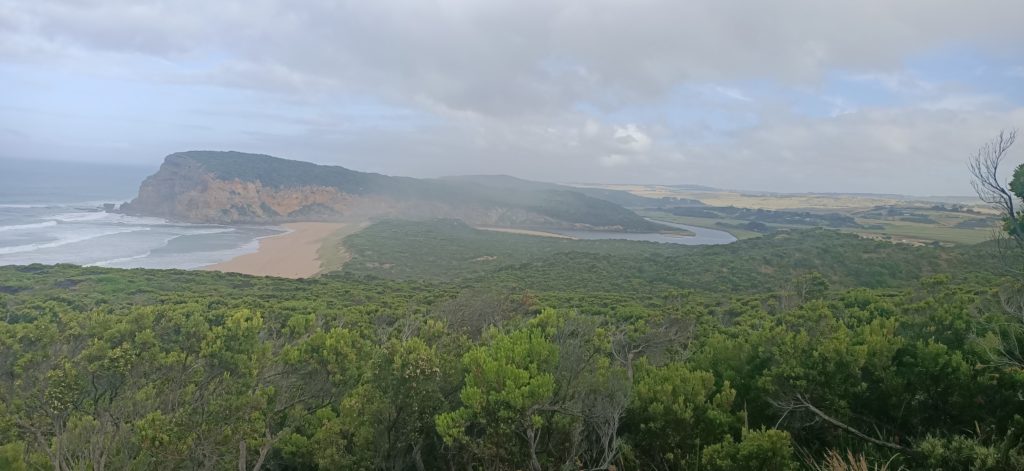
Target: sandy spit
(289, 255)
(524, 232)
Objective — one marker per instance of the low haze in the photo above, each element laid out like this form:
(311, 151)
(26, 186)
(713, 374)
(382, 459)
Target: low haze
(865, 96)
(601, 235)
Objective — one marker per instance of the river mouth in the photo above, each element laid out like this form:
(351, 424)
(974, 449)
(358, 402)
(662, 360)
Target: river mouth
(702, 235)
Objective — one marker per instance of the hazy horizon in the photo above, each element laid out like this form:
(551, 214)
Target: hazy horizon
(796, 96)
(139, 171)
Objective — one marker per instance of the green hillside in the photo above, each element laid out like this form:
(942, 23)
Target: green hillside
(559, 203)
(277, 172)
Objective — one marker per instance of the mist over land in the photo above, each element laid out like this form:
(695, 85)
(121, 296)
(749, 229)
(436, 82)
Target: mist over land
(600, 235)
(785, 97)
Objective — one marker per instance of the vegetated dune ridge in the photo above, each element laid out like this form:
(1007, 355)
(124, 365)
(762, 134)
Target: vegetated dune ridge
(294, 254)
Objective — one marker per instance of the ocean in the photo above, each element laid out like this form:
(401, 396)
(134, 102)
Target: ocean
(53, 213)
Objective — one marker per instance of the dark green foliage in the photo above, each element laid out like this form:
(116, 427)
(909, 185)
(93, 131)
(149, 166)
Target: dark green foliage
(450, 250)
(919, 218)
(767, 216)
(567, 205)
(278, 173)
(977, 223)
(1017, 183)
(757, 449)
(1017, 188)
(752, 226)
(769, 354)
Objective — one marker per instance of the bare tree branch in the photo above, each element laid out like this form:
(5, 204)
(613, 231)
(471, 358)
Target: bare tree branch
(801, 403)
(984, 167)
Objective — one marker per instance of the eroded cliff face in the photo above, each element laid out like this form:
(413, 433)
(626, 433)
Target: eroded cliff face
(183, 190)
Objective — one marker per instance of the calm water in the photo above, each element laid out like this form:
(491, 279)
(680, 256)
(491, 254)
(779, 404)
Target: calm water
(701, 236)
(50, 213)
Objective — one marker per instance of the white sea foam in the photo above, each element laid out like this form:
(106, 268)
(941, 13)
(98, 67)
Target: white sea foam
(23, 227)
(82, 233)
(80, 204)
(81, 217)
(71, 238)
(114, 261)
(101, 217)
(198, 231)
(24, 206)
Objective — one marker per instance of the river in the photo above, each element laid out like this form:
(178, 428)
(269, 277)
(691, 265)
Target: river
(702, 236)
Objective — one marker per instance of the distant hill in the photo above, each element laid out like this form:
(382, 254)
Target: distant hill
(692, 187)
(619, 197)
(236, 187)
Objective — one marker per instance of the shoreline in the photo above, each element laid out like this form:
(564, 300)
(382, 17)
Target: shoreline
(509, 230)
(293, 254)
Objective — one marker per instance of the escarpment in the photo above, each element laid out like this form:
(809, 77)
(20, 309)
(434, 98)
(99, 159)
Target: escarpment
(235, 187)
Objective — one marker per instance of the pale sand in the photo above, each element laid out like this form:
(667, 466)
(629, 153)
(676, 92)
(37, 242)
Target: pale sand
(333, 253)
(525, 232)
(289, 255)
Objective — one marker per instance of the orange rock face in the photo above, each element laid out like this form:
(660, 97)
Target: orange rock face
(184, 191)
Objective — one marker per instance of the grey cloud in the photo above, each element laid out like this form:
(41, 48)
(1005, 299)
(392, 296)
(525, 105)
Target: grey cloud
(917, 151)
(503, 81)
(914, 151)
(527, 56)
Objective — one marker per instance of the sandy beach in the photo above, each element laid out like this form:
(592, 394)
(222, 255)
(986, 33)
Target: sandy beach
(289, 255)
(510, 230)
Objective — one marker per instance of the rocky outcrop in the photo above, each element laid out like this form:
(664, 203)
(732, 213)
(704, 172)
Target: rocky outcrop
(184, 189)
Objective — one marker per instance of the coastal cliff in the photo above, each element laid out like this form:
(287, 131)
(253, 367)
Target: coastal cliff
(235, 187)
(184, 189)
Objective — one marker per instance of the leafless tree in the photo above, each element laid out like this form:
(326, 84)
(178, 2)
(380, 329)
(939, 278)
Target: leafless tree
(985, 177)
(984, 166)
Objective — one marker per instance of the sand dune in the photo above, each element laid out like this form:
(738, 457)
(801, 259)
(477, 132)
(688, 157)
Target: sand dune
(289, 255)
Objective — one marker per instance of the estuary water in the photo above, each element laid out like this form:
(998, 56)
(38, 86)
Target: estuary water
(702, 236)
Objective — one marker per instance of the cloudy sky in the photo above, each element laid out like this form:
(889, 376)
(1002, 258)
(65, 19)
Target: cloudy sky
(786, 95)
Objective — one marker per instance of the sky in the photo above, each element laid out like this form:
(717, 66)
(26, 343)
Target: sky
(883, 96)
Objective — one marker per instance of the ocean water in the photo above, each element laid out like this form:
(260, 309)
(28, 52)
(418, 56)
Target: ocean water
(52, 213)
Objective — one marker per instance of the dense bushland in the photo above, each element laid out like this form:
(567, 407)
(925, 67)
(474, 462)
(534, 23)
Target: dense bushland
(614, 365)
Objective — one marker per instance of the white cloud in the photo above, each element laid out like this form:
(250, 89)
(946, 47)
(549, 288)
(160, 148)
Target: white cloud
(914, 151)
(631, 139)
